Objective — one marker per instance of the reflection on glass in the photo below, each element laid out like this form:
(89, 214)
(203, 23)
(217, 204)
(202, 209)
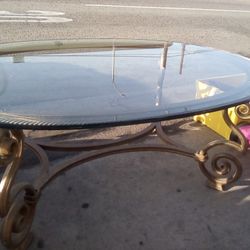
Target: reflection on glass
(18, 59)
(163, 64)
(217, 85)
(102, 81)
(113, 72)
(3, 82)
(182, 57)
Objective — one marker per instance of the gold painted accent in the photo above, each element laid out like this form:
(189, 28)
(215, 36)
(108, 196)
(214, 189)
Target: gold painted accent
(225, 168)
(17, 201)
(8, 146)
(243, 111)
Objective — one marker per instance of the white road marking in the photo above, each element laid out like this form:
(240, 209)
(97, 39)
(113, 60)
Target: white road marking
(164, 8)
(33, 16)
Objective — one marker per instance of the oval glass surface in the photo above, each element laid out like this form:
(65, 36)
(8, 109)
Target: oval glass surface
(89, 83)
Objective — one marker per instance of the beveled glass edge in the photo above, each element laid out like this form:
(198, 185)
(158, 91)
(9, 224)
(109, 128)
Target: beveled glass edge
(46, 45)
(49, 126)
(29, 46)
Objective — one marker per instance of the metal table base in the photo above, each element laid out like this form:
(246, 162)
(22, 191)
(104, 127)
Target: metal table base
(18, 200)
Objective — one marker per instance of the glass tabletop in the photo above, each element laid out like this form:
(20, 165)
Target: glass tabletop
(94, 83)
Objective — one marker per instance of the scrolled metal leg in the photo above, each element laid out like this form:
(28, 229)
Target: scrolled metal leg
(17, 201)
(225, 168)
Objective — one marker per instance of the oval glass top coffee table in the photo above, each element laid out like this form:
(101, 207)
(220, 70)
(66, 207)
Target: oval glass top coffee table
(87, 84)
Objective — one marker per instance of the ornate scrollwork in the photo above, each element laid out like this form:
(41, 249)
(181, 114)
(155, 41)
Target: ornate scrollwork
(18, 221)
(243, 111)
(8, 146)
(17, 202)
(225, 168)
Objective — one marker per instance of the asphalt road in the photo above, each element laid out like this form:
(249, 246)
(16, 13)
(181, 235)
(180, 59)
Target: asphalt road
(215, 23)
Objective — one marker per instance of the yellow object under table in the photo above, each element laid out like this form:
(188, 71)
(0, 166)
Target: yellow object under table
(239, 115)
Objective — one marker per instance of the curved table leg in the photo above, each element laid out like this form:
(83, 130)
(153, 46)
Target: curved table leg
(225, 168)
(17, 201)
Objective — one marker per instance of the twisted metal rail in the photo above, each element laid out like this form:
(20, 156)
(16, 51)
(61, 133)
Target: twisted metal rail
(18, 201)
